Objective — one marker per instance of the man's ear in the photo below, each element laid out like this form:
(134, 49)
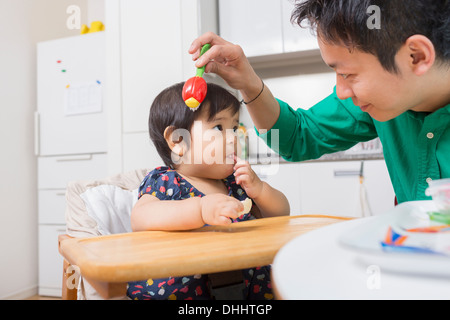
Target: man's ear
(175, 144)
(421, 52)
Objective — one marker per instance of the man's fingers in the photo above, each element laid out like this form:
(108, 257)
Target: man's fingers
(209, 37)
(224, 54)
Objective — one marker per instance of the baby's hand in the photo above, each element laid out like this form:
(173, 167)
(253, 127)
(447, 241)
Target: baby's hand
(217, 209)
(247, 178)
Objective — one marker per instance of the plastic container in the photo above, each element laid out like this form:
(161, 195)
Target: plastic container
(439, 190)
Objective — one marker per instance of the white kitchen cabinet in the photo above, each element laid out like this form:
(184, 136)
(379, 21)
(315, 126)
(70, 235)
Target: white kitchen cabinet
(147, 45)
(56, 172)
(285, 178)
(333, 188)
(151, 59)
(295, 38)
(324, 193)
(263, 27)
(380, 193)
(50, 261)
(51, 206)
(255, 25)
(139, 152)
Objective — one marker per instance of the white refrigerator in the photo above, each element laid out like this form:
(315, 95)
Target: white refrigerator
(70, 137)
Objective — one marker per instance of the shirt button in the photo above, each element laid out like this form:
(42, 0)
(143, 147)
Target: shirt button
(429, 180)
(430, 135)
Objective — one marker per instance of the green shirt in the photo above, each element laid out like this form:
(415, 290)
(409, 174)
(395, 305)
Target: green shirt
(416, 145)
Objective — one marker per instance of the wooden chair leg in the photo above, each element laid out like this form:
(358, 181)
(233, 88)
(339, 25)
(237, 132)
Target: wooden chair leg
(70, 281)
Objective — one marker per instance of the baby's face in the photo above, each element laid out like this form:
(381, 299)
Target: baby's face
(214, 144)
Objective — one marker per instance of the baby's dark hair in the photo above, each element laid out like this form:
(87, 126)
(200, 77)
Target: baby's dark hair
(168, 109)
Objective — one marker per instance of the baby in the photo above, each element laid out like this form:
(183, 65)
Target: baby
(204, 174)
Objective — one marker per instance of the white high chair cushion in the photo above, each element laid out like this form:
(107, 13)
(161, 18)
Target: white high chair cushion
(98, 207)
(87, 215)
(110, 206)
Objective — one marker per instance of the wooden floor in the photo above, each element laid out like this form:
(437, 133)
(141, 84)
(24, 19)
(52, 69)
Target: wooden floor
(36, 297)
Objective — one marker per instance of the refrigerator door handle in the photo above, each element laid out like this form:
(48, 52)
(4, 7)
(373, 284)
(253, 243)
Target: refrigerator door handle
(36, 133)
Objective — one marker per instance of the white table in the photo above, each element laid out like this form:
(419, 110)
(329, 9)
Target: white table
(316, 266)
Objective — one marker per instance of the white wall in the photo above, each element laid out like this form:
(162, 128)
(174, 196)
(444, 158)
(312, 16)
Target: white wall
(23, 23)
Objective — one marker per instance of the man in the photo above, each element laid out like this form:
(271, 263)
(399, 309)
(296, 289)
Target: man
(392, 83)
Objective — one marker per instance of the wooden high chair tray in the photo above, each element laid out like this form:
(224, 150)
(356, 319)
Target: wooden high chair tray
(136, 256)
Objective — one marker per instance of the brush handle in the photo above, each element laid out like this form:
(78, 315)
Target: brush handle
(201, 70)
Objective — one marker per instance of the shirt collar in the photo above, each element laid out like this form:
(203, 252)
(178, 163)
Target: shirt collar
(421, 115)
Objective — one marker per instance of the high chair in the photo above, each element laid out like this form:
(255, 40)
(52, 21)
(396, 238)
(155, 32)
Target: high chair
(102, 207)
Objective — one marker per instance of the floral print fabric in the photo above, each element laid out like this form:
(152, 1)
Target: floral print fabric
(166, 184)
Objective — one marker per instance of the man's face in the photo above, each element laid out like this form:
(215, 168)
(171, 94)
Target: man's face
(361, 77)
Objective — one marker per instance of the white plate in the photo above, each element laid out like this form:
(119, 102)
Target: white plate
(366, 241)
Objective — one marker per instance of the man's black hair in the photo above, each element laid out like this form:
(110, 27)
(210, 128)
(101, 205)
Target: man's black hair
(345, 22)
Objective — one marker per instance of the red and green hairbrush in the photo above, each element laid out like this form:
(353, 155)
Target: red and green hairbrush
(194, 90)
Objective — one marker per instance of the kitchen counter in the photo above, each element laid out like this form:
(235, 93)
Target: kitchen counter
(371, 150)
(338, 156)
